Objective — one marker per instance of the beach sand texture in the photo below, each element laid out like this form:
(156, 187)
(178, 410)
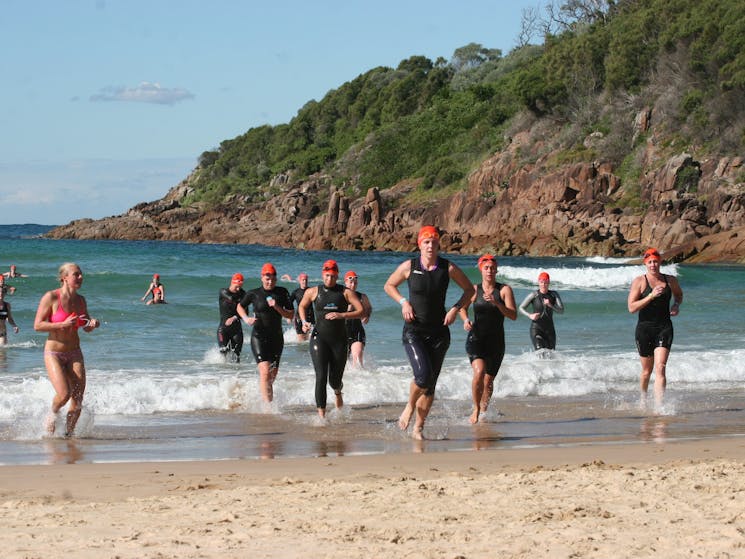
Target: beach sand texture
(682, 499)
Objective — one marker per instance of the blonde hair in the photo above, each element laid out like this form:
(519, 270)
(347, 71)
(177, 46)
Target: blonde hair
(63, 269)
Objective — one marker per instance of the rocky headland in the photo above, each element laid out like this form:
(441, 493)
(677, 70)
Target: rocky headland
(518, 201)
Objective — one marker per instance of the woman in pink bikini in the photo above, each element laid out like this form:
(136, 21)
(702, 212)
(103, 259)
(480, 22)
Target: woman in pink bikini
(61, 313)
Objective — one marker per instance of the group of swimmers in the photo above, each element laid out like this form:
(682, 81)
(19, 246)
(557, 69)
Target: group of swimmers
(331, 315)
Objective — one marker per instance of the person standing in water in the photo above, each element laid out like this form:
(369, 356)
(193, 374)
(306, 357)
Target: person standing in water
(544, 303)
(270, 304)
(356, 337)
(5, 316)
(157, 291)
(426, 336)
(14, 273)
(61, 313)
(331, 304)
(295, 297)
(650, 296)
(230, 330)
(6, 288)
(492, 302)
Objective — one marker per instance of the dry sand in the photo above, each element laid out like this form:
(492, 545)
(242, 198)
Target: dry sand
(611, 501)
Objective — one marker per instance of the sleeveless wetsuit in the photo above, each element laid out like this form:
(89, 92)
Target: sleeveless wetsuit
(230, 337)
(267, 339)
(654, 329)
(486, 338)
(542, 332)
(355, 329)
(427, 339)
(328, 341)
(296, 297)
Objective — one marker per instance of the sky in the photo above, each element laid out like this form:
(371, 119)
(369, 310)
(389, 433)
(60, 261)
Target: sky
(108, 103)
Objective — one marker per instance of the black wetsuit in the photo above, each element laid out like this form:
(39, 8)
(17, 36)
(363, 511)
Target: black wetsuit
(486, 338)
(542, 332)
(654, 329)
(328, 341)
(427, 339)
(230, 337)
(355, 329)
(267, 339)
(3, 311)
(296, 297)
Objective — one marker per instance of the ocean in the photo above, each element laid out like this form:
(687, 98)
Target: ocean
(158, 389)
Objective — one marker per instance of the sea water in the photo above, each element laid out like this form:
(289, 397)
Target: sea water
(157, 388)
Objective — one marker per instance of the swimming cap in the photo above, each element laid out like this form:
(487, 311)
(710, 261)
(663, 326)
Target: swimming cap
(268, 270)
(237, 278)
(302, 275)
(486, 258)
(330, 266)
(156, 276)
(427, 232)
(543, 276)
(651, 253)
(350, 274)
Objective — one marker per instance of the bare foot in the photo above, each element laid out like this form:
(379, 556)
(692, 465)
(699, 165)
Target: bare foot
(50, 423)
(403, 421)
(417, 433)
(474, 416)
(322, 413)
(339, 399)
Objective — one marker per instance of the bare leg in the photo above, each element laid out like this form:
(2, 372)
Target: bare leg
(405, 418)
(477, 389)
(423, 405)
(660, 379)
(58, 378)
(647, 364)
(267, 374)
(355, 352)
(76, 379)
(487, 392)
(339, 399)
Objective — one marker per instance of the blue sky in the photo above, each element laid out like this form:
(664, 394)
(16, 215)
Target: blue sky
(108, 103)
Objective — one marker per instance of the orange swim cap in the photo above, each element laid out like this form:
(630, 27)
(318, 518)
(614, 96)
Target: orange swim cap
(268, 270)
(543, 276)
(651, 253)
(486, 258)
(427, 232)
(330, 266)
(350, 274)
(237, 278)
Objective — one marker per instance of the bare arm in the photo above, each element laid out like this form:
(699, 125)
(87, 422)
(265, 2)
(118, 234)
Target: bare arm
(677, 295)
(635, 301)
(400, 275)
(508, 308)
(468, 293)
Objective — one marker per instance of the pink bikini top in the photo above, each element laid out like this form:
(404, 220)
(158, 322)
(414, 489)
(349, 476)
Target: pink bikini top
(60, 315)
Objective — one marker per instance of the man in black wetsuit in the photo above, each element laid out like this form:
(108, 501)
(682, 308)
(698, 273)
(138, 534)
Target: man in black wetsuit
(230, 331)
(426, 336)
(328, 339)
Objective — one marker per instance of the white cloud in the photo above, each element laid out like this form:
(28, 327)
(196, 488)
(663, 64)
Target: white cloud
(146, 92)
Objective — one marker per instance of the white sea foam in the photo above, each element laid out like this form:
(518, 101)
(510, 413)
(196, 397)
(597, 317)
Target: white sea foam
(586, 277)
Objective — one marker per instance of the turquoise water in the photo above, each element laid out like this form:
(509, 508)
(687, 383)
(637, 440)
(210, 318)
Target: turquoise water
(154, 373)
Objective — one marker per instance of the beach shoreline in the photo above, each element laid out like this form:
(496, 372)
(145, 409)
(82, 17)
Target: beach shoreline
(678, 499)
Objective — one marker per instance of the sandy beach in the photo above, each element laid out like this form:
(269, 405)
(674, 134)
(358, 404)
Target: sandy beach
(679, 499)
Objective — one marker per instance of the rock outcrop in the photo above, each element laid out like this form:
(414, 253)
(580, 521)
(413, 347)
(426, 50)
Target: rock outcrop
(691, 210)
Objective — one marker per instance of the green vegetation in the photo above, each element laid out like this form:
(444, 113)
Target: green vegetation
(435, 121)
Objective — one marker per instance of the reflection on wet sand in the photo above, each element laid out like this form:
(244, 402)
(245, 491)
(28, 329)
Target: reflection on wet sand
(63, 451)
(654, 429)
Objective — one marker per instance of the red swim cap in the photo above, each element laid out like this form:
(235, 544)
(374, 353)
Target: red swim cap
(330, 266)
(268, 270)
(237, 278)
(651, 254)
(543, 276)
(486, 258)
(350, 274)
(302, 275)
(427, 232)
